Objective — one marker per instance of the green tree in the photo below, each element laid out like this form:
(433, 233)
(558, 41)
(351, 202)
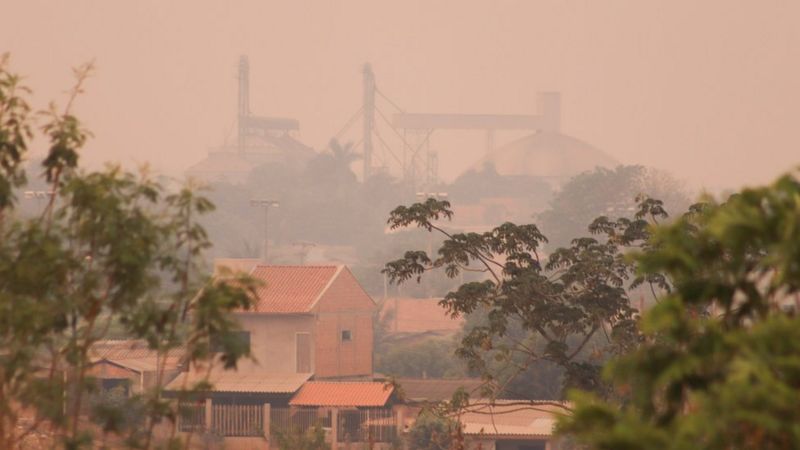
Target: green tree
(571, 309)
(606, 192)
(539, 379)
(111, 249)
(432, 432)
(719, 366)
(430, 358)
(474, 185)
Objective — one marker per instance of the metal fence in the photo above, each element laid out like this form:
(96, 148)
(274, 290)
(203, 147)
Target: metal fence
(285, 420)
(367, 425)
(237, 420)
(192, 417)
(354, 425)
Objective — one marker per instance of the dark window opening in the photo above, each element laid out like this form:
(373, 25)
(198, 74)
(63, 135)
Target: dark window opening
(235, 339)
(115, 386)
(303, 353)
(347, 336)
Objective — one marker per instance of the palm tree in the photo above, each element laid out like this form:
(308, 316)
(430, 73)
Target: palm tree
(342, 157)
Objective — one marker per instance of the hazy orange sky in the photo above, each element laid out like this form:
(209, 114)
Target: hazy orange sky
(709, 90)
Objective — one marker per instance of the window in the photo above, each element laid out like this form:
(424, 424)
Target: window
(303, 352)
(236, 339)
(119, 386)
(347, 336)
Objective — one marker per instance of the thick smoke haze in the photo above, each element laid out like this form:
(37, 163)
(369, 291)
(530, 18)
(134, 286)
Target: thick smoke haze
(707, 90)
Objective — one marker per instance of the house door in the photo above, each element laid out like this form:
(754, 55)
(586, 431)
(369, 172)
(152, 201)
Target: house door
(303, 353)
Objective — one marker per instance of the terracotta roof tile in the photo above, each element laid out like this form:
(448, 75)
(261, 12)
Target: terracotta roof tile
(345, 393)
(291, 289)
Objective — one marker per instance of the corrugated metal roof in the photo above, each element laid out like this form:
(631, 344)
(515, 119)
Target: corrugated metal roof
(148, 364)
(431, 390)
(125, 349)
(291, 289)
(537, 427)
(244, 382)
(344, 393)
(512, 418)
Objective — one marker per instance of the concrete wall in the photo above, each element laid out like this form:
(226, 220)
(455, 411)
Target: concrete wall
(272, 340)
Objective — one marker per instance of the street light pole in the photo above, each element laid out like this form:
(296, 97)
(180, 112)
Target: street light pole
(266, 204)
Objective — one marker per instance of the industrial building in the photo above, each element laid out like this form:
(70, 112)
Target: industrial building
(260, 140)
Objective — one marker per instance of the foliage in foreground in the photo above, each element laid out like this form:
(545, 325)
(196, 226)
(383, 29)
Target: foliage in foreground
(311, 439)
(432, 432)
(720, 364)
(110, 249)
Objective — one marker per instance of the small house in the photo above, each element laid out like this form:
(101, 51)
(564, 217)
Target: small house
(132, 366)
(309, 319)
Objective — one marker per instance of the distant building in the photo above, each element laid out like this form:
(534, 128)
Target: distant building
(260, 140)
(426, 391)
(417, 318)
(487, 213)
(227, 165)
(511, 425)
(530, 168)
(132, 365)
(550, 155)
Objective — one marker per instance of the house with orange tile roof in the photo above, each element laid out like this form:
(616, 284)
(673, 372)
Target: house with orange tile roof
(307, 322)
(309, 319)
(362, 411)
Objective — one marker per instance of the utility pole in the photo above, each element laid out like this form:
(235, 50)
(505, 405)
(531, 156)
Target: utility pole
(369, 119)
(243, 104)
(266, 204)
